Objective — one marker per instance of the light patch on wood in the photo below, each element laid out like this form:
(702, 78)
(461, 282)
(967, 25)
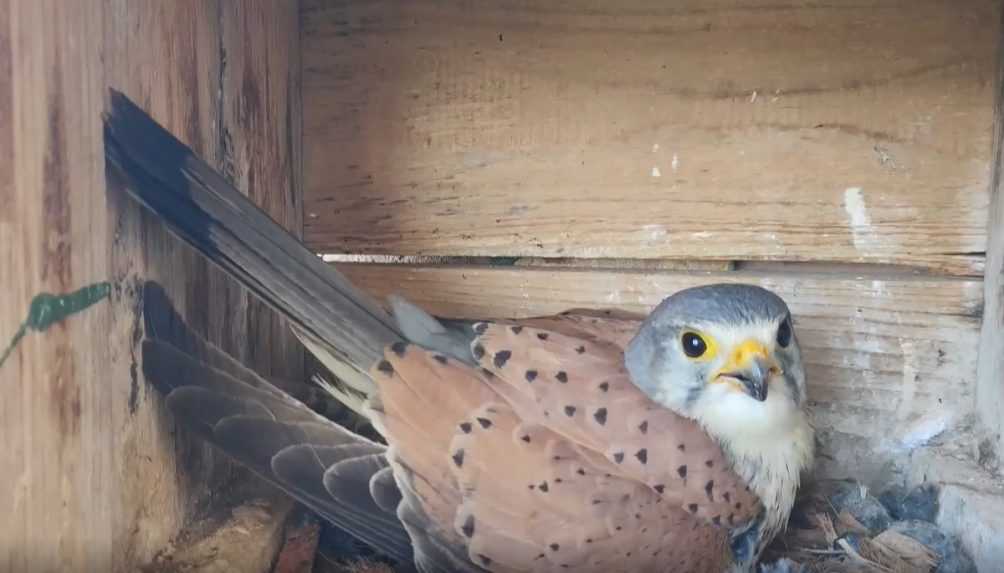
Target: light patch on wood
(860, 223)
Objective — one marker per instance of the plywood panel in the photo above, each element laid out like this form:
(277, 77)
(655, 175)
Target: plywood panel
(890, 360)
(89, 473)
(843, 131)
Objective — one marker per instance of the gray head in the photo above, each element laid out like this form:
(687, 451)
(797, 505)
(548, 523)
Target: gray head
(725, 355)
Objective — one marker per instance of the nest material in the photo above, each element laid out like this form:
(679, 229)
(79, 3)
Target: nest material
(829, 539)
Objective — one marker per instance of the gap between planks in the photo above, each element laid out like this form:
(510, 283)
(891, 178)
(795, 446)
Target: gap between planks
(859, 271)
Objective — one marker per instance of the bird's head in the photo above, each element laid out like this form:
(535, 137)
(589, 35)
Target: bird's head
(725, 355)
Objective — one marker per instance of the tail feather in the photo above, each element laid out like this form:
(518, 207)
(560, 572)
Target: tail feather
(276, 436)
(345, 327)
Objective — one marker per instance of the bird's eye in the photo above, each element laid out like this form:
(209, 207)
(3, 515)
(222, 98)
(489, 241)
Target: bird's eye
(784, 334)
(693, 345)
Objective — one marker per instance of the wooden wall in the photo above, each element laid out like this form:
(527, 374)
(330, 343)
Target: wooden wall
(838, 152)
(93, 476)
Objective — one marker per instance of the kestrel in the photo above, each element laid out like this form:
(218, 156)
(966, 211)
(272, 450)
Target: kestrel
(586, 441)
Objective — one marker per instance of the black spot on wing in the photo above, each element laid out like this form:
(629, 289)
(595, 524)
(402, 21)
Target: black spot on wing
(600, 415)
(501, 357)
(468, 527)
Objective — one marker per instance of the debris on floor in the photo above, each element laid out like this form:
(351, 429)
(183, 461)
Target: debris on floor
(841, 527)
(243, 538)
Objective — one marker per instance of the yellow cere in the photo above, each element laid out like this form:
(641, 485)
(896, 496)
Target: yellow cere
(744, 354)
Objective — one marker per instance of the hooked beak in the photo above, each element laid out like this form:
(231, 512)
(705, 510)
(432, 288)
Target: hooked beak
(751, 366)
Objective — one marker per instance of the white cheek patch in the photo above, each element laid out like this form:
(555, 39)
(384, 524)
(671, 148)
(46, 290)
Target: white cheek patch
(735, 416)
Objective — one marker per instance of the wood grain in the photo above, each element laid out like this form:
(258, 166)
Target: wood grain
(890, 360)
(93, 476)
(261, 137)
(838, 131)
(990, 369)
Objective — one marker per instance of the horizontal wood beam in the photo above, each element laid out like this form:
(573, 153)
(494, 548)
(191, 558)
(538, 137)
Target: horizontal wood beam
(844, 131)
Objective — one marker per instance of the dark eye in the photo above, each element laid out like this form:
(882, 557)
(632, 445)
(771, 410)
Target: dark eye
(693, 344)
(784, 333)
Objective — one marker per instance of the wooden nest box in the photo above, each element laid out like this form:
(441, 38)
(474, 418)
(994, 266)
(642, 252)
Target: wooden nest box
(506, 159)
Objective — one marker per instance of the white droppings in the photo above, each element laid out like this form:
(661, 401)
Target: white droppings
(878, 287)
(676, 162)
(655, 147)
(656, 172)
(654, 233)
(753, 97)
(312, 215)
(700, 235)
(923, 431)
(614, 297)
(908, 389)
(861, 225)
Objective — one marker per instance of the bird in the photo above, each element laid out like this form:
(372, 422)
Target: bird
(591, 440)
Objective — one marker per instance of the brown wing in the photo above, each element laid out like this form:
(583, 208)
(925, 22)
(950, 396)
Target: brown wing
(582, 391)
(503, 468)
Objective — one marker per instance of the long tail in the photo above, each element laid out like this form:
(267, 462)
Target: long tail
(346, 329)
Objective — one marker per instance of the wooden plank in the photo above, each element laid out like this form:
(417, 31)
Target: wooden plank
(890, 361)
(93, 476)
(56, 465)
(261, 142)
(990, 370)
(842, 131)
(167, 58)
